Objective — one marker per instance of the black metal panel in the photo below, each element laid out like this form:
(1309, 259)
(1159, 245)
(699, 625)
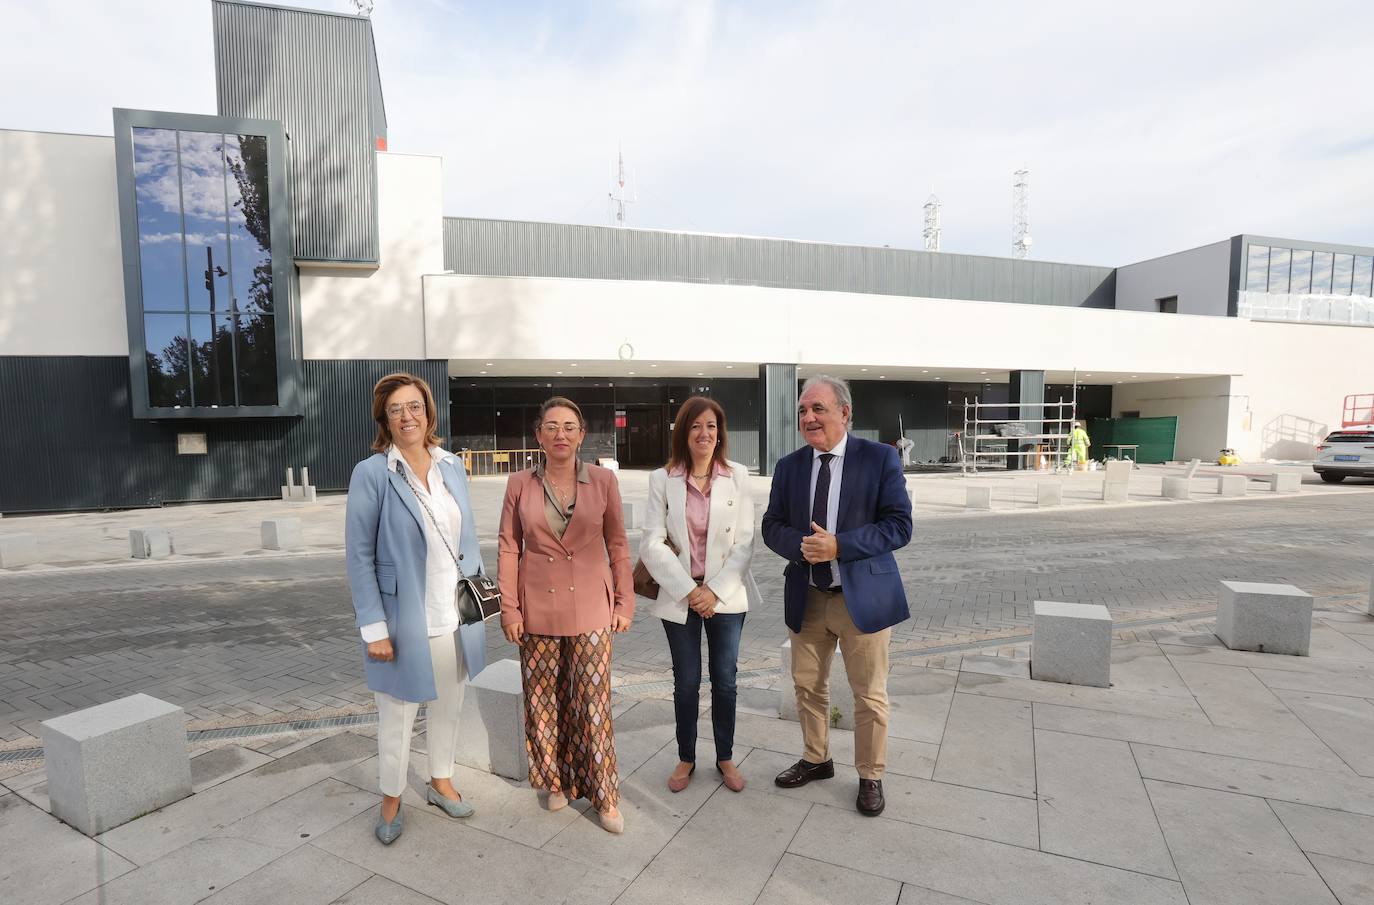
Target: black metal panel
(527, 249)
(316, 73)
(71, 442)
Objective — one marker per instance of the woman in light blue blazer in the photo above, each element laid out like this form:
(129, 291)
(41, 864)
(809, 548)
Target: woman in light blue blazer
(408, 536)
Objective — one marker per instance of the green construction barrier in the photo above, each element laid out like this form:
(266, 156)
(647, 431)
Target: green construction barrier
(1154, 436)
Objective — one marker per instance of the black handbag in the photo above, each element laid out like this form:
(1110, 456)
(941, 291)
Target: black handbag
(479, 599)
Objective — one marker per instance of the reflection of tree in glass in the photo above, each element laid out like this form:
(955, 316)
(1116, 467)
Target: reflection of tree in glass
(167, 375)
(249, 170)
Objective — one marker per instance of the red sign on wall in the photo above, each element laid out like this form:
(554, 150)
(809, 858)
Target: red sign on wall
(619, 421)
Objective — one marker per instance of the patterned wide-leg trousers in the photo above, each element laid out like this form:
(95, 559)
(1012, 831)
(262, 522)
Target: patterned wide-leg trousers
(568, 732)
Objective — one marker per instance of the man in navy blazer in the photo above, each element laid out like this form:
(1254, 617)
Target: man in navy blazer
(837, 510)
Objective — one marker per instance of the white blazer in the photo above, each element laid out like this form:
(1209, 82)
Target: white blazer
(729, 543)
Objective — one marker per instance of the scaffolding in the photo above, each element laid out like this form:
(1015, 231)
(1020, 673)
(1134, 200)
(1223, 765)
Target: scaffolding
(989, 442)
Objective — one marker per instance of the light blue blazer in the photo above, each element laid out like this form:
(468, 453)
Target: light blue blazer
(384, 549)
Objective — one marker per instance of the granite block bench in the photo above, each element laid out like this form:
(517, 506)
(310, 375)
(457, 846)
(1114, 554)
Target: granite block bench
(282, 534)
(113, 762)
(1269, 618)
(1072, 643)
(150, 543)
(493, 723)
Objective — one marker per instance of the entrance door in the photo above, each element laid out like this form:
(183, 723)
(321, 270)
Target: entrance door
(643, 441)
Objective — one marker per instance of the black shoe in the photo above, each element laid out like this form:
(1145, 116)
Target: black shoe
(802, 772)
(870, 801)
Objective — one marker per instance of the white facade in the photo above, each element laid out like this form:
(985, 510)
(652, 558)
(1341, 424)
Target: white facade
(61, 270)
(355, 312)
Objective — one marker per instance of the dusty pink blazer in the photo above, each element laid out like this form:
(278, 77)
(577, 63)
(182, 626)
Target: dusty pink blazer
(569, 586)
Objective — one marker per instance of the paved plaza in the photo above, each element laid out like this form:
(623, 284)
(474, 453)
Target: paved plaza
(1202, 775)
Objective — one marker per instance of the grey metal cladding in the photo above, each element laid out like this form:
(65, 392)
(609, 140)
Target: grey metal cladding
(520, 248)
(316, 73)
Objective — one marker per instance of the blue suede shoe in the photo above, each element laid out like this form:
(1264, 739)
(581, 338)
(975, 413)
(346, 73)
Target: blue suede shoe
(388, 833)
(448, 805)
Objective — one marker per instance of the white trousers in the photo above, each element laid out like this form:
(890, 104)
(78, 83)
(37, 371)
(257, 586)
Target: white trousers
(396, 720)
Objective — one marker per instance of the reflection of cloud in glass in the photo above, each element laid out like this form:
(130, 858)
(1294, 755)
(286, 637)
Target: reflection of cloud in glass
(1257, 268)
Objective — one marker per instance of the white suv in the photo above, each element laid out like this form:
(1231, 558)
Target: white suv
(1346, 453)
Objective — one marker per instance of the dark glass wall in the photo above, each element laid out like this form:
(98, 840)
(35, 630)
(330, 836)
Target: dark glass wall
(94, 455)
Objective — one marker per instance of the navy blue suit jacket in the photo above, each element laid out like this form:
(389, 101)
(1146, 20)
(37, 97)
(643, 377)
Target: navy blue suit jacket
(874, 519)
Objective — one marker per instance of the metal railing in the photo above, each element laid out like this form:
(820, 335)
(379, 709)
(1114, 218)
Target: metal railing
(498, 461)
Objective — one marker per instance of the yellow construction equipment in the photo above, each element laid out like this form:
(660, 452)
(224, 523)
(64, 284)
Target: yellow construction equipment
(1228, 457)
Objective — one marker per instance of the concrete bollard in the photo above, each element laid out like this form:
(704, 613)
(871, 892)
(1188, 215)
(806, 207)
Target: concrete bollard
(1285, 482)
(1072, 643)
(282, 534)
(1370, 608)
(1049, 493)
(1232, 484)
(17, 550)
(1176, 488)
(634, 515)
(841, 715)
(978, 497)
(113, 762)
(493, 721)
(1117, 481)
(1269, 618)
(150, 543)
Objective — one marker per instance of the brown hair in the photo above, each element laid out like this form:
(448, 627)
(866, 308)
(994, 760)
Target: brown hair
(559, 402)
(690, 411)
(383, 390)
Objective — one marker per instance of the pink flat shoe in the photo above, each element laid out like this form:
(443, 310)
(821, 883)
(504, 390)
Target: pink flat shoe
(557, 801)
(734, 783)
(678, 783)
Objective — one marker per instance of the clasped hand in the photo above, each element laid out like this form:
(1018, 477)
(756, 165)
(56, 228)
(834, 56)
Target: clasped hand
(702, 601)
(819, 546)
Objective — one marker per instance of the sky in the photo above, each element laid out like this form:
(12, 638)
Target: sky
(1147, 128)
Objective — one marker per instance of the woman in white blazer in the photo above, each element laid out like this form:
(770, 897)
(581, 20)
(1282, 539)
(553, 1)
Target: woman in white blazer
(700, 505)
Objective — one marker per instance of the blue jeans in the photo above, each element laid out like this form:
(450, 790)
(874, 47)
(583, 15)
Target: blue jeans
(722, 644)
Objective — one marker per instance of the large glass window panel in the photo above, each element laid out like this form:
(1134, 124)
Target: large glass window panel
(1278, 269)
(257, 359)
(203, 210)
(168, 359)
(1364, 275)
(1321, 272)
(212, 354)
(250, 233)
(1257, 269)
(1300, 283)
(1344, 272)
(158, 202)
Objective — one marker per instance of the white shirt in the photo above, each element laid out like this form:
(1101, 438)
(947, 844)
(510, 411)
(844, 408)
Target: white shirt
(441, 572)
(832, 506)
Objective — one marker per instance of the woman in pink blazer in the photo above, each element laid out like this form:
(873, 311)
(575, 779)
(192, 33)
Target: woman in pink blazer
(566, 586)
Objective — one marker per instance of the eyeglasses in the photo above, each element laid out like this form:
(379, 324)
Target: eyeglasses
(551, 428)
(414, 406)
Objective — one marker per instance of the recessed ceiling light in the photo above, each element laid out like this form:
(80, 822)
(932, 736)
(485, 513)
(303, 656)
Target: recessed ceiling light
(572, 364)
(1133, 377)
(863, 369)
(481, 372)
(632, 373)
(558, 372)
(924, 371)
(653, 366)
(729, 366)
(939, 378)
(882, 376)
(982, 372)
(488, 364)
(1121, 381)
(1177, 377)
(472, 384)
(699, 374)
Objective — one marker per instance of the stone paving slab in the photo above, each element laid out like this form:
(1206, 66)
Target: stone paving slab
(1093, 805)
(1351, 881)
(1231, 849)
(989, 744)
(271, 638)
(46, 862)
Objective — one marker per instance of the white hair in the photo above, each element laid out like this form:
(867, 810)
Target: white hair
(838, 385)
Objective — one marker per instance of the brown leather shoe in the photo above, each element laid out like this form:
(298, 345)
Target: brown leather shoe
(802, 772)
(870, 801)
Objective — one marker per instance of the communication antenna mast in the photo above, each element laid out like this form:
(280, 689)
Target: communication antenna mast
(364, 7)
(1020, 214)
(619, 198)
(932, 231)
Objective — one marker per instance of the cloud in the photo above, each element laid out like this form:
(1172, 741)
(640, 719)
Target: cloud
(1147, 129)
